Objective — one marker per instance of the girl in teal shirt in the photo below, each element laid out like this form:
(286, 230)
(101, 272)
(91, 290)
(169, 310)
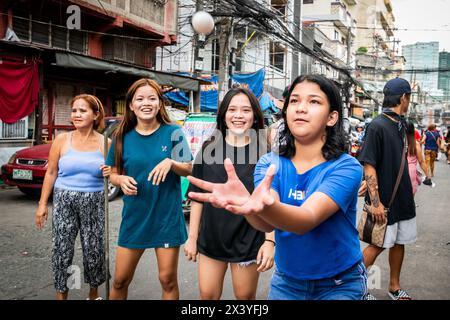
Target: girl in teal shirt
(148, 156)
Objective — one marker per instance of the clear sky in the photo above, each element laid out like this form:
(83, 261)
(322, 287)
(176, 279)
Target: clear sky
(417, 15)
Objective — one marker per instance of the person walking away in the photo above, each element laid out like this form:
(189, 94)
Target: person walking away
(431, 139)
(74, 172)
(415, 156)
(382, 155)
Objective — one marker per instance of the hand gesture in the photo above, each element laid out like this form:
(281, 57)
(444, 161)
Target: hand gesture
(41, 216)
(221, 194)
(190, 249)
(232, 195)
(106, 170)
(265, 256)
(159, 173)
(128, 185)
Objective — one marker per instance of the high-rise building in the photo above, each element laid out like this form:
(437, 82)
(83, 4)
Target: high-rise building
(444, 76)
(421, 56)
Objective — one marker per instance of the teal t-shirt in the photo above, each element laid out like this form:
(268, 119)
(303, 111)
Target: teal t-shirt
(154, 217)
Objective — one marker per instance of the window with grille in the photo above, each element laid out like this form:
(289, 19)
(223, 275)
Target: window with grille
(27, 28)
(132, 51)
(276, 55)
(59, 37)
(40, 32)
(16, 130)
(21, 25)
(239, 57)
(215, 55)
(77, 41)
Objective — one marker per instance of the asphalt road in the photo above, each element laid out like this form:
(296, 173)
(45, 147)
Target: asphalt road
(25, 269)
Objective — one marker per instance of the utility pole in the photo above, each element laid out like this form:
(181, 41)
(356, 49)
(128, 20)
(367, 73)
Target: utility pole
(348, 84)
(224, 32)
(380, 107)
(298, 35)
(197, 65)
(231, 62)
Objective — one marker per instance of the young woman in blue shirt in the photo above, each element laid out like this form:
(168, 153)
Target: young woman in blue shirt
(307, 193)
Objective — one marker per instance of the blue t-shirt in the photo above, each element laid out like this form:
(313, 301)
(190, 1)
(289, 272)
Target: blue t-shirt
(431, 140)
(154, 217)
(331, 247)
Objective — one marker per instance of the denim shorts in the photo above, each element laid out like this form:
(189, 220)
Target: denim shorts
(350, 284)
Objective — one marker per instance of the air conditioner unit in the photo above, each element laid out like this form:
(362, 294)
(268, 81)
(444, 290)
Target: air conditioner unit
(16, 130)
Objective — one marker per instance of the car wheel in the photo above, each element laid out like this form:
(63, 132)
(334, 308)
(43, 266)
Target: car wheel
(113, 191)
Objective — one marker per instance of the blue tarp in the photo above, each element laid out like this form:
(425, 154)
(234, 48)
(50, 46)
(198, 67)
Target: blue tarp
(209, 93)
(208, 97)
(252, 81)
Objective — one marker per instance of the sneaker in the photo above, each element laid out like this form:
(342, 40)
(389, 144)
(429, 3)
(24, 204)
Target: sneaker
(369, 296)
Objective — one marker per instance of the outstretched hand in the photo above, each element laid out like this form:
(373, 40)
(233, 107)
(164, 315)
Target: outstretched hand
(232, 195)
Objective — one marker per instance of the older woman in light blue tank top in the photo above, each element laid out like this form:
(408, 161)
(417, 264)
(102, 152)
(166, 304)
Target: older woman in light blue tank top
(74, 173)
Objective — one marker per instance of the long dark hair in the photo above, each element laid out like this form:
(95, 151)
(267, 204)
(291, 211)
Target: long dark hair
(129, 121)
(336, 139)
(410, 137)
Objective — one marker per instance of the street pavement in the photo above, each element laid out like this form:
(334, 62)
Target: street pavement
(25, 253)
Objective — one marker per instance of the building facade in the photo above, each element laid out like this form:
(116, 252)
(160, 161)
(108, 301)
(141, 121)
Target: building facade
(79, 46)
(444, 76)
(422, 55)
(376, 51)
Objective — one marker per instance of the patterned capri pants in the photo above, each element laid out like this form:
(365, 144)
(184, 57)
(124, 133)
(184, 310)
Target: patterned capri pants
(73, 211)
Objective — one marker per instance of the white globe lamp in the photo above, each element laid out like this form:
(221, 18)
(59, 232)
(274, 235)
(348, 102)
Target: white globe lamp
(202, 22)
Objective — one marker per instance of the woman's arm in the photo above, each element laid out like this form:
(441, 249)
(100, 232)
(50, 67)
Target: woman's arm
(300, 220)
(126, 183)
(233, 197)
(159, 173)
(49, 180)
(182, 169)
(266, 253)
(190, 248)
(259, 223)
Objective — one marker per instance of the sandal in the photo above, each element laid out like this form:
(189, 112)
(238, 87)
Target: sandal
(399, 294)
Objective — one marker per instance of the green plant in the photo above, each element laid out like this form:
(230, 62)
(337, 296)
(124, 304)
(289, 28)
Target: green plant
(362, 50)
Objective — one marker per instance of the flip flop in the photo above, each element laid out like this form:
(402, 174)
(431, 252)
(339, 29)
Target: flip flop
(399, 294)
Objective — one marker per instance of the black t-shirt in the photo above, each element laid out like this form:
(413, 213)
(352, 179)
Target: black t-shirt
(223, 235)
(382, 148)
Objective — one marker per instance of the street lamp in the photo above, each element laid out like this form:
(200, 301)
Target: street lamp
(203, 24)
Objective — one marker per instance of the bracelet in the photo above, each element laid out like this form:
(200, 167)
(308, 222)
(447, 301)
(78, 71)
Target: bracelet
(274, 244)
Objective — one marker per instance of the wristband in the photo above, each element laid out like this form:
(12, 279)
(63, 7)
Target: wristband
(274, 244)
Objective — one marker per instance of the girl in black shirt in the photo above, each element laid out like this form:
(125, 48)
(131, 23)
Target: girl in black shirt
(219, 237)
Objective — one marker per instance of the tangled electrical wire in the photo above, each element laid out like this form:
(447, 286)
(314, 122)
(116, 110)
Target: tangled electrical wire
(268, 21)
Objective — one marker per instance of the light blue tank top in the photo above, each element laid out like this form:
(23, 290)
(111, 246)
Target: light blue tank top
(80, 170)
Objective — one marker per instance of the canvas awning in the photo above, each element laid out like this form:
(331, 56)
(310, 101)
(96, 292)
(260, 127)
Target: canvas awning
(70, 60)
